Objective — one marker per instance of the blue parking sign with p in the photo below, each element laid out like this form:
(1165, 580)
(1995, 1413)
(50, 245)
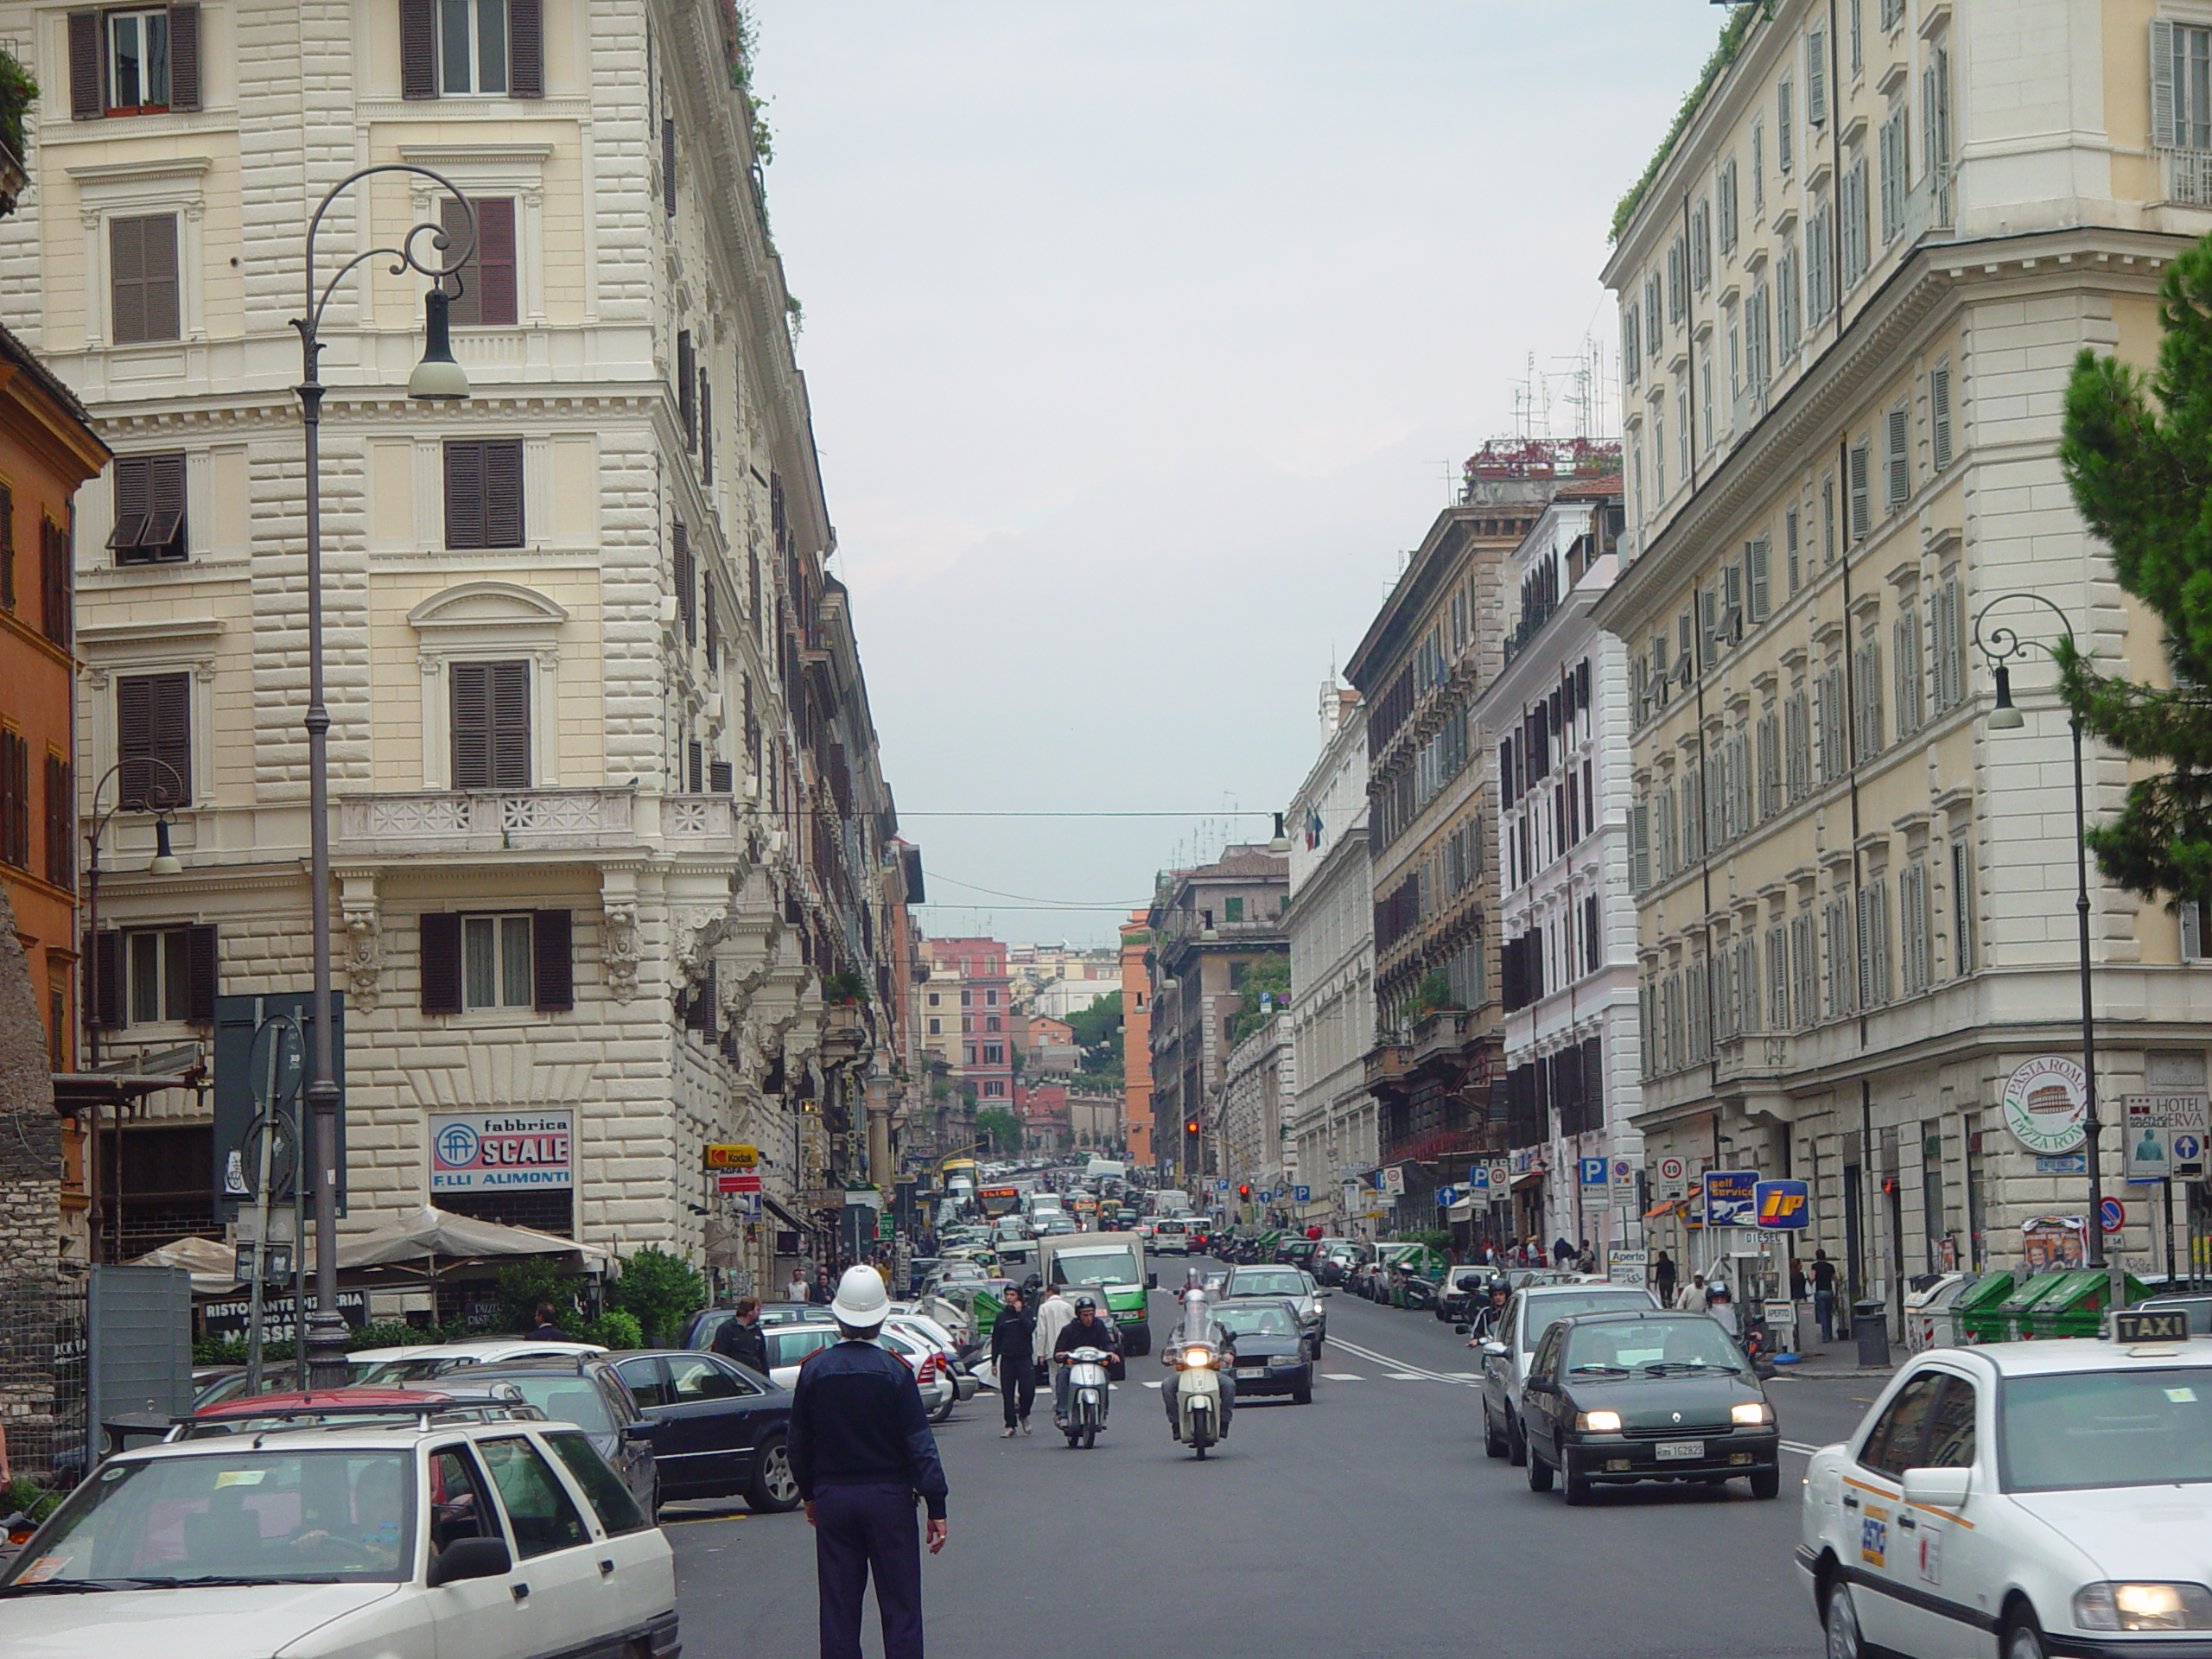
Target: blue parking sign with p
(1593, 1171)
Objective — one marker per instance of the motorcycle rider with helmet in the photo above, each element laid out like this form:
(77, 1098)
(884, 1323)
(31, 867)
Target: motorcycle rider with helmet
(1199, 1326)
(1490, 1317)
(1086, 1330)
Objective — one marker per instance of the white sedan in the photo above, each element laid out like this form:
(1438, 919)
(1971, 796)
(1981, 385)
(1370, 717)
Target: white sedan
(500, 1539)
(2020, 1501)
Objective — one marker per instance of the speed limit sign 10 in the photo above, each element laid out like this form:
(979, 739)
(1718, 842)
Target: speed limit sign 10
(1674, 1177)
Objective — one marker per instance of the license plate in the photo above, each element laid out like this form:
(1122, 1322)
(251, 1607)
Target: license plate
(1250, 1370)
(1668, 1451)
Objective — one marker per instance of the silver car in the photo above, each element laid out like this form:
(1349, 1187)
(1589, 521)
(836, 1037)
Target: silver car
(1506, 1355)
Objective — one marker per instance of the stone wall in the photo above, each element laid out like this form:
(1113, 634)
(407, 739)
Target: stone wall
(30, 1213)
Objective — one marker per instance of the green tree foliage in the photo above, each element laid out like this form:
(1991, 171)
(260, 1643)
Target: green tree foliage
(535, 1279)
(2137, 450)
(660, 1292)
(1434, 992)
(1001, 1127)
(1270, 976)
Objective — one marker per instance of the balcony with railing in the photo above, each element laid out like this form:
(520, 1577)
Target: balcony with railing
(491, 821)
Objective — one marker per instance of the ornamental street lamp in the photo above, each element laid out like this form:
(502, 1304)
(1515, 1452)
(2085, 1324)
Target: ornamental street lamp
(1999, 646)
(436, 378)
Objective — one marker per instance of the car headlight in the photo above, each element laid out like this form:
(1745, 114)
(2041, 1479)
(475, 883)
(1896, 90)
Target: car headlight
(1752, 1412)
(2143, 1607)
(1599, 1422)
(1285, 1362)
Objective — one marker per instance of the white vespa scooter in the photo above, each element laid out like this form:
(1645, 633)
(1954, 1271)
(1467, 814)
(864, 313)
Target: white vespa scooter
(1086, 1394)
(1197, 1380)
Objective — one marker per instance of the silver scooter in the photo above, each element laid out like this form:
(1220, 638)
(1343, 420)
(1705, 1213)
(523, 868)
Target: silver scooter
(1197, 1380)
(1086, 1394)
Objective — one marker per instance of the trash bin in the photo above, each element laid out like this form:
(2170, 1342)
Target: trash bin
(1974, 1314)
(2010, 1316)
(1870, 1323)
(2076, 1306)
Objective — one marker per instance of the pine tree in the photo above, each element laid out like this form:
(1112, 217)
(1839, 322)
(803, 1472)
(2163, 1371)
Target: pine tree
(2137, 451)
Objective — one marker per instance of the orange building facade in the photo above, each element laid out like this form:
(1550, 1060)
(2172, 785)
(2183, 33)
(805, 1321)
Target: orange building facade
(1136, 1037)
(47, 448)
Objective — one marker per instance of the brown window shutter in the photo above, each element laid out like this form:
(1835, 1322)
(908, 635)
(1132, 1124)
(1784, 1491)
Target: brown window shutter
(464, 494)
(126, 280)
(712, 623)
(466, 308)
(7, 548)
(133, 502)
(510, 700)
(165, 303)
(440, 962)
(488, 286)
(694, 767)
(165, 528)
(720, 780)
(172, 739)
(418, 49)
(103, 990)
(200, 974)
(14, 800)
(526, 48)
(57, 580)
(686, 584)
(61, 823)
(503, 520)
(184, 57)
(706, 429)
(685, 367)
(470, 717)
(668, 164)
(85, 102)
(699, 1005)
(553, 951)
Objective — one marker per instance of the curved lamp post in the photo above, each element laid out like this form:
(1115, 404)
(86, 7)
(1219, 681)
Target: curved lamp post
(162, 799)
(2000, 646)
(436, 378)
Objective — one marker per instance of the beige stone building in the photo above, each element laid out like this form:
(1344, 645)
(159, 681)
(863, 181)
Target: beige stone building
(1851, 294)
(607, 805)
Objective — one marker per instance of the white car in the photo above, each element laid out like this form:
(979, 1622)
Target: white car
(385, 1368)
(790, 1347)
(2021, 1500)
(1171, 1238)
(498, 1539)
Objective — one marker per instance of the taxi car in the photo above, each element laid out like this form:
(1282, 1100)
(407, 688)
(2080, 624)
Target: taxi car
(419, 1533)
(2022, 1500)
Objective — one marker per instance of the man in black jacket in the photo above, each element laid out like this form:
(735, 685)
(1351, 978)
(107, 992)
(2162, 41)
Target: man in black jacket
(1014, 1335)
(1086, 1330)
(741, 1339)
(862, 1453)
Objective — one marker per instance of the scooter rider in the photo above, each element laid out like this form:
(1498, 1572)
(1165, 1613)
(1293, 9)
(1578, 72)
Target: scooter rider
(1086, 1330)
(1491, 1314)
(1199, 1326)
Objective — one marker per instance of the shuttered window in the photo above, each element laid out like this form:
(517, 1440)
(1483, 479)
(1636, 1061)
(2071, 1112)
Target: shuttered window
(168, 976)
(1947, 637)
(1962, 910)
(1916, 958)
(14, 800)
(134, 61)
(686, 388)
(1862, 515)
(706, 429)
(1896, 458)
(517, 960)
(464, 48)
(1939, 416)
(142, 279)
(7, 549)
(687, 582)
(668, 164)
(440, 963)
(1904, 644)
(153, 724)
(103, 987)
(149, 510)
(489, 290)
(484, 492)
(61, 823)
(491, 725)
(1816, 76)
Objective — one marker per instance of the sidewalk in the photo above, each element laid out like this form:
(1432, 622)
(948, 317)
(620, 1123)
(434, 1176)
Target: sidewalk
(1838, 1359)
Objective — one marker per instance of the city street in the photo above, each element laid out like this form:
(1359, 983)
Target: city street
(1368, 1522)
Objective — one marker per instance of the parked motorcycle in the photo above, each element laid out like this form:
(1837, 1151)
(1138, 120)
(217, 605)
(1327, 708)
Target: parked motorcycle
(1086, 1394)
(1197, 1396)
(1417, 1293)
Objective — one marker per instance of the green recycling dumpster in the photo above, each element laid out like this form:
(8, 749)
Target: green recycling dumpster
(2010, 1315)
(1974, 1316)
(2076, 1306)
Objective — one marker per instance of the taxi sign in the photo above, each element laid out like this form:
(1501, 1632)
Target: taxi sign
(2165, 1325)
(732, 1154)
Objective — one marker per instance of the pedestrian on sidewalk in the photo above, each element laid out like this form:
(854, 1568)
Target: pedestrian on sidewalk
(1013, 1350)
(863, 1455)
(796, 1290)
(1663, 1276)
(1824, 1294)
(1692, 1299)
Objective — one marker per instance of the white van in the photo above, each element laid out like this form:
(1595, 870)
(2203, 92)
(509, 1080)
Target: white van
(1106, 1169)
(1168, 1201)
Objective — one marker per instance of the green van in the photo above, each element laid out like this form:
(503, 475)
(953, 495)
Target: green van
(1111, 1266)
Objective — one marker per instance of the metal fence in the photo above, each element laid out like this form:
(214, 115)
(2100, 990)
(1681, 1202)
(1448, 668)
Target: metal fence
(44, 1347)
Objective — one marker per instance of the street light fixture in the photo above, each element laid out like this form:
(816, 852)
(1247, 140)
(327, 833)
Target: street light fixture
(437, 379)
(1999, 646)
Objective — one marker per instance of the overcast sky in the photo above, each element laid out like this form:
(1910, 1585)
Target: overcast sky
(1140, 337)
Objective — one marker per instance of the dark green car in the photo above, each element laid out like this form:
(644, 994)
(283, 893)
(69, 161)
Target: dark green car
(1646, 1396)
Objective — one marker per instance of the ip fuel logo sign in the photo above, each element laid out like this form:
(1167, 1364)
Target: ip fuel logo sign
(1783, 1207)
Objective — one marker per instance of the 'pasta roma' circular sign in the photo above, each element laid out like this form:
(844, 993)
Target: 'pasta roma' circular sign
(2045, 1103)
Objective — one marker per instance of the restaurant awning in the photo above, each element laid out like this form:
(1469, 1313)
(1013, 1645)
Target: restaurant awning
(434, 1238)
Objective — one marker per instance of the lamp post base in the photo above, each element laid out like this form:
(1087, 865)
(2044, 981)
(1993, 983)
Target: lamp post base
(326, 1348)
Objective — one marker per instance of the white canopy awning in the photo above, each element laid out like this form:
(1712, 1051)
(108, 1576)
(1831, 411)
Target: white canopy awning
(426, 1236)
(213, 1267)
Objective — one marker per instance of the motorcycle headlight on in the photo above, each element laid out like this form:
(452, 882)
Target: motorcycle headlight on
(1195, 1357)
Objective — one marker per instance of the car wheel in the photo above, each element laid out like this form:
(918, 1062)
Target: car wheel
(1840, 1622)
(943, 1413)
(1493, 1442)
(1574, 1488)
(1540, 1472)
(1516, 1443)
(1303, 1394)
(2023, 1637)
(773, 1489)
(653, 1513)
(1766, 1483)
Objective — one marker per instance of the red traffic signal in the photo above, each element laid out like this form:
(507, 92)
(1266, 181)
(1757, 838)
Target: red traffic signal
(1243, 1189)
(1190, 1127)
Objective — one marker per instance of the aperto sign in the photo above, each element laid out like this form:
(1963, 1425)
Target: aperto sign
(501, 1151)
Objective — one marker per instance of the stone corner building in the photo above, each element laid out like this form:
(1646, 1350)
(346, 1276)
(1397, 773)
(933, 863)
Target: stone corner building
(607, 808)
(1850, 297)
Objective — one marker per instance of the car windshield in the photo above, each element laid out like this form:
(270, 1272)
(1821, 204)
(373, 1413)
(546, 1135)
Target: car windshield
(1255, 1321)
(1263, 1283)
(2106, 1429)
(565, 1397)
(1096, 1268)
(1542, 1309)
(789, 1347)
(237, 1515)
(394, 1371)
(1649, 1347)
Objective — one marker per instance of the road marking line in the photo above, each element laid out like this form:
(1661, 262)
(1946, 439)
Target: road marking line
(1343, 1377)
(1409, 1376)
(1155, 1385)
(1399, 1365)
(1799, 1447)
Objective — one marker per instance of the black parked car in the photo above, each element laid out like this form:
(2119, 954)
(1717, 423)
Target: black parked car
(1275, 1353)
(718, 1427)
(1645, 1396)
(586, 1390)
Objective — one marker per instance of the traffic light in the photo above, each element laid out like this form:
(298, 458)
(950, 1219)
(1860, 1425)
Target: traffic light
(1243, 1189)
(1190, 1127)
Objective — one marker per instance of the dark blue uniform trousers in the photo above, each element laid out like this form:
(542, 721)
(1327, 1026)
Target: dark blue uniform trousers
(859, 1528)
